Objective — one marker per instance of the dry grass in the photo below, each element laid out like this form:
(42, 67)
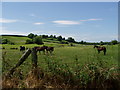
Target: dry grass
(36, 78)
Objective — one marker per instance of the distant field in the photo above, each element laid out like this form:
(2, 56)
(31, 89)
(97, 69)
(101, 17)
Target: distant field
(16, 40)
(22, 40)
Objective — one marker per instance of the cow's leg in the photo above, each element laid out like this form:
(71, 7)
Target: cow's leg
(104, 52)
(39, 52)
(44, 52)
(47, 51)
(98, 51)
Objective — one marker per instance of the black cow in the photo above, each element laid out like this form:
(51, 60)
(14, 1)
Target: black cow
(22, 48)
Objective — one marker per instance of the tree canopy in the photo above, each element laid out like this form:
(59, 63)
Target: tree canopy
(38, 40)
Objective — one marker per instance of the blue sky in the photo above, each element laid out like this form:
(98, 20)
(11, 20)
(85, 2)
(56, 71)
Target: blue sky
(88, 21)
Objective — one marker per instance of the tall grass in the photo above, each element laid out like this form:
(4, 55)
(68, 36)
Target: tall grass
(91, 75)
(67, 67)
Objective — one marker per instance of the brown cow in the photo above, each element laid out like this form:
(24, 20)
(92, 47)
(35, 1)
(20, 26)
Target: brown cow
(41, 48)
(50, 49)
(100, 48)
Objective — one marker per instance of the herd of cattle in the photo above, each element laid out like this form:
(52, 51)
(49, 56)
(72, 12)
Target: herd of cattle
(42, 48)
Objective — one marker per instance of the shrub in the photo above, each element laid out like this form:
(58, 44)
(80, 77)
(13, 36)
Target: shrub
(38, 40)
(4, 41)
(114, 42)
(11, 43)
(28, 41)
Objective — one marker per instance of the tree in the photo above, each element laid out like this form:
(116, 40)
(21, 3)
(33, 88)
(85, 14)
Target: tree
(31, 35)
(4, 41)
(114, 42)
(38, 40)
(59, 38)
(101, 43)
(51, 36)
(82, 42)
(70, 39)
(54, 36)
(63, 38)
(44, 36)
(35, 35)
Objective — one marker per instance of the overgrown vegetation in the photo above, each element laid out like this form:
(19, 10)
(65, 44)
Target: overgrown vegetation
(68, 67)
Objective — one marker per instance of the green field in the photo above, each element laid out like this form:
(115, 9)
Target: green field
(78, 61)
(67, 54)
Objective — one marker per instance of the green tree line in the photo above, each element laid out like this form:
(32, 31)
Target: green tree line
(38, 39)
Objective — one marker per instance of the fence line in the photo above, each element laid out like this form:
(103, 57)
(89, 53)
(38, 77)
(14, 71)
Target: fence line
(34, 57)
(23, 58)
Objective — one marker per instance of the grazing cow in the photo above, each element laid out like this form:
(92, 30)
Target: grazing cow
(50, 49)
(41, 49)
(100, 48)
(22, 48)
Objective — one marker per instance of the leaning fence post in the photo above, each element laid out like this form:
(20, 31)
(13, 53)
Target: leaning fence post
(34, 57)
(21, 60)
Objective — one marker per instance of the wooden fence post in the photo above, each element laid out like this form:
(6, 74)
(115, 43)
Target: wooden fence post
(34, 57)
(21, 60)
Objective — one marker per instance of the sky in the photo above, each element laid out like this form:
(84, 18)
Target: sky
(87, 21)
(60, 0)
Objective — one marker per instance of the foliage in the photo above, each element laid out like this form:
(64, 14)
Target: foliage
(51, 36)
(44, 36)
(59, 38)
(63, 42)
(84, 77)
(67, 67)
(6, 41)
(38, 40)
(70, 39)
(114, 42)
(101, 43)
(11, 43)
(28, 41)
(54, 36)
(31, 35)
(16, 39)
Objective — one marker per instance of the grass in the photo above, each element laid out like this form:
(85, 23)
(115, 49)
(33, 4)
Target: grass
(66, 66)
(22, 40)
(16, 40)
(68, 54)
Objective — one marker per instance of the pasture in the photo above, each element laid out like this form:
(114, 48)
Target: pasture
(65, 58)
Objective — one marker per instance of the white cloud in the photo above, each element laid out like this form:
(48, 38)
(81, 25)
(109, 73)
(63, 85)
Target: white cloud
(92, 19)
(65, 22)
(38, 23)
(2, 20)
